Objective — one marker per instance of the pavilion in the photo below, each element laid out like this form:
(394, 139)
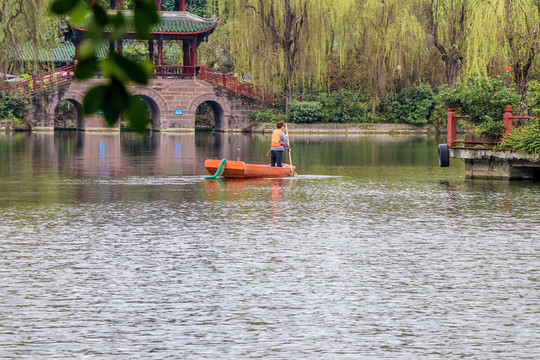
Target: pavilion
(176, 25)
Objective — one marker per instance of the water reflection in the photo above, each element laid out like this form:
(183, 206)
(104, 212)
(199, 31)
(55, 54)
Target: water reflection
(114, 246)
(117, 155)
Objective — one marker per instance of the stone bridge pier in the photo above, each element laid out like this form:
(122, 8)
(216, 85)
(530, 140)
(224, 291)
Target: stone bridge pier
(172, 104)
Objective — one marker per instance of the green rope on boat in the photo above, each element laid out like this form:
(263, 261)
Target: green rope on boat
(219, 171)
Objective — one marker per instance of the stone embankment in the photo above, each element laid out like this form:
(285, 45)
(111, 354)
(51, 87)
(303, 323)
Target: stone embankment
(490, 164)
(371, 128)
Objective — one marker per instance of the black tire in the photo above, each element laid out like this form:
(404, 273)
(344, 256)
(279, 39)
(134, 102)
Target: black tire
(444, 155)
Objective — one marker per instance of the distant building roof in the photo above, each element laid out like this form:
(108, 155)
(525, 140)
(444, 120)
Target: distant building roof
(171, 22)
(65, 52)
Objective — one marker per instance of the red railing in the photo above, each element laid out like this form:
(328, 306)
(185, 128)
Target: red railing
(508, 120)
(239, 86)
(66, 74)
(40, 82)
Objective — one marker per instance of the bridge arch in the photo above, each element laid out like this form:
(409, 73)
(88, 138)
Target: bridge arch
(155, 102)
(163, 97)
(75, 98)
(219, 105)
(60, 123)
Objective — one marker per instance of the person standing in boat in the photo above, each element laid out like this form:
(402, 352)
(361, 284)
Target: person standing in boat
(278, 144)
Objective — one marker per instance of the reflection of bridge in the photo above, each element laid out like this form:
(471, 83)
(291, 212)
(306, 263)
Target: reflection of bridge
(172, 98)
(94, 154)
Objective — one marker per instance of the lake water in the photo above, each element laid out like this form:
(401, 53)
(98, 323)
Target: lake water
(114, 246)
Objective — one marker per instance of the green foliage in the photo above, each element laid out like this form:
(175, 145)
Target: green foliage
(438, 115)
(112, 98)
(412, 105)
(24, 29)
(533, 97)
(268, 116)
(65, 116)
(197, 7)
(135, 50)
(483, 99)
(216, 52)
(283, 44)
(306, 112)
(12, 107)
(345, 107)
(524, 139)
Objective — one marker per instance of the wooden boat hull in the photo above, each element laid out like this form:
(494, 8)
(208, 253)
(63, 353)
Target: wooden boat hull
(239, 169)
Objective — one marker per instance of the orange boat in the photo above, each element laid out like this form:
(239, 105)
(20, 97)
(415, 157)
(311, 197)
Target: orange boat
(239, 169)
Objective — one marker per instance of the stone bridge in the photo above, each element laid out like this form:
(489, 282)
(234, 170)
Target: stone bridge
(172, 104)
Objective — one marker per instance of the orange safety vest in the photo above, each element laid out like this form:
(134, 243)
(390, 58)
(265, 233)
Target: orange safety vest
(276, 138)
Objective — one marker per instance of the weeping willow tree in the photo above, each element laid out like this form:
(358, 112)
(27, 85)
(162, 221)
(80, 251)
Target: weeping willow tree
(283, 43)
(389, 41)
(24, 23)
(505, 33)
(445, 23)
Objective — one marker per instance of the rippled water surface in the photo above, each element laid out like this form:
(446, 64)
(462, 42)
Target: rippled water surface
(114, 246)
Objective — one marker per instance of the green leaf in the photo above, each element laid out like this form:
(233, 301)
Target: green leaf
(88, 49)
(147, 66)
(137, 114)
(145, 16)
(63, 7)
(100, 15)
(86, 68)
(93, 100)
(110, 69)
(133, 70)
(118, 22)
(78, 14)
(94, 30)
(115, 102)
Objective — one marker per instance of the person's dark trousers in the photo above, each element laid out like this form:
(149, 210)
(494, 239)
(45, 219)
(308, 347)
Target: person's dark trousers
(276, 158)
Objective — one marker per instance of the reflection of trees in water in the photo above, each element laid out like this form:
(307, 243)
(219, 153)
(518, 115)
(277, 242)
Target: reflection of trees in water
(223, 145)
(135, 144)
(362, 150)
(382, 138)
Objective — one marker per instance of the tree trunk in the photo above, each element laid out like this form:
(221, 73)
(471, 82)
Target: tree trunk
(520, 81)
(288, 99)
(452, 67)
(374, 105)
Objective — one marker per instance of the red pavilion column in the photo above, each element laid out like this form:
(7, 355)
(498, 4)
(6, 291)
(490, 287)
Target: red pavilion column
(160, 52)
(151, 51)
(193, 60)
(186, 57)
(179, 5)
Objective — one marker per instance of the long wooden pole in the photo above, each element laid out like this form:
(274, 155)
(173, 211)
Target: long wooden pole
(287, 134)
